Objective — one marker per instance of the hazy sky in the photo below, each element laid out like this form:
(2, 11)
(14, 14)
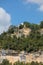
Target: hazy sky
(17, 11)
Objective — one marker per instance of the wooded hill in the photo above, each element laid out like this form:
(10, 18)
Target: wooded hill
(27, 37)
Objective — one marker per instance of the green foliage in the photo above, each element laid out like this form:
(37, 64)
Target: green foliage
(5, 62)
(33, 42)
(12, 29)
(35, 27)
(27, 24)
(21, 26)
(41, 24)
(32, 63)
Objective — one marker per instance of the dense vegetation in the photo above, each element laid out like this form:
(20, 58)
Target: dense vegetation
(6, 62)
(32, 63)
(33, 42)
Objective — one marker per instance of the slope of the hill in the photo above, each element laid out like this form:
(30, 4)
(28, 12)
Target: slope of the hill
(26, 36)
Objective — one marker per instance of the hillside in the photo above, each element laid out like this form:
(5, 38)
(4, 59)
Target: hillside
(27, 37)
(21, 32)
(24, 29)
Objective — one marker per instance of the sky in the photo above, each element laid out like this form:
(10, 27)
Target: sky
(14, 12)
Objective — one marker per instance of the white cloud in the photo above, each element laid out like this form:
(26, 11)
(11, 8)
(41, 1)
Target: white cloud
(35, 1)
(5, 20)
(41, 8)
(38, 2)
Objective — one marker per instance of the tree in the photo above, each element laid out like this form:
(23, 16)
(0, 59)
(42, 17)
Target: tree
(34, 63)
(21, 26)
(41, 24)
(27, 24)
(5, 62)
